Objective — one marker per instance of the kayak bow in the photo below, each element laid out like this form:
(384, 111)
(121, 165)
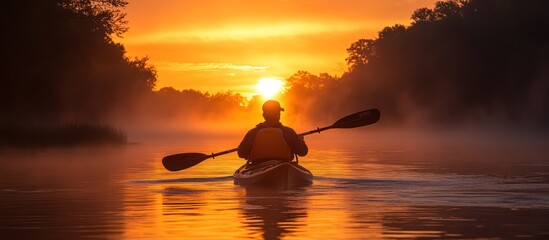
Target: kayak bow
(273, 174)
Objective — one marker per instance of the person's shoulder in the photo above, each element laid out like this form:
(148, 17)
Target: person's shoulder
(255, 129)
(289, 129)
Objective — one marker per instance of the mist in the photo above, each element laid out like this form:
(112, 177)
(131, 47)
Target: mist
(460, 150)
(458, 65)
(462, 66)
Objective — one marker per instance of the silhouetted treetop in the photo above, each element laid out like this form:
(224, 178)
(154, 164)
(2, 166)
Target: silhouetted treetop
(63, 64)
(106, 16)
(307, 81)
(360, 53)
(460, 61)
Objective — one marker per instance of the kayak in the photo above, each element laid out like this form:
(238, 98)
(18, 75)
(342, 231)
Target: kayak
(273, 174)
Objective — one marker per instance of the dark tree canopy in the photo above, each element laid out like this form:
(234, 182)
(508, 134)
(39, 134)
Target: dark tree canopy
(61, 62)
(461, 61)
(106, 16)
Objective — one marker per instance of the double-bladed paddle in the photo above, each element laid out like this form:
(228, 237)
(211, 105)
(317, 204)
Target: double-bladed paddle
(182, 161)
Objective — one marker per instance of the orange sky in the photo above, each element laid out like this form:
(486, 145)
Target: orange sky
(228, 45)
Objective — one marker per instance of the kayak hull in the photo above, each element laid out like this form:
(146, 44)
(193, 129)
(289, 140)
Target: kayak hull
(273, 174)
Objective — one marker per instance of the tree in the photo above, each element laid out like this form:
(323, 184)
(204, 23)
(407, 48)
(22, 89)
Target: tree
(423, 15)
(63, 63)
(105, 17)
(460, 61)
(360, 53)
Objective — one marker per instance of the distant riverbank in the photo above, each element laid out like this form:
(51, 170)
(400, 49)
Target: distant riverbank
(73, 134)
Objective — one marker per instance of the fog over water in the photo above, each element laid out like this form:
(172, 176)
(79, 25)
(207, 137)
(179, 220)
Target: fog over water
(460, 150)
(366, 185)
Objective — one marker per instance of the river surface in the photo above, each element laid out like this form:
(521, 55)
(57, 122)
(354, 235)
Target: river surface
(361, 190)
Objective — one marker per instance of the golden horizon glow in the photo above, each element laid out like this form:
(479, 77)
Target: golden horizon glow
(220, 46)
(268, 87)
(248, 32)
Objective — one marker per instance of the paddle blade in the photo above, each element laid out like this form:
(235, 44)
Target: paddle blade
(358, 119)
(182, 161)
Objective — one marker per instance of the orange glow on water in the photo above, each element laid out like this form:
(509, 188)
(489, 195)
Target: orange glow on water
(362, 189)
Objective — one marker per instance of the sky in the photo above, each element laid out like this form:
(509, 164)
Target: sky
(219, 46)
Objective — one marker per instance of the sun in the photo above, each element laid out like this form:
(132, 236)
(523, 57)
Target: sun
(268, 87)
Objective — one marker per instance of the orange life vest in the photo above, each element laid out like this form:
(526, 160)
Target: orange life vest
(269, 144)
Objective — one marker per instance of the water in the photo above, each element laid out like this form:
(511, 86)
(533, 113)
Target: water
(361, 190)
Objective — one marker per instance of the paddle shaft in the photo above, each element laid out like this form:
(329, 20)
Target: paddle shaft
(318, 130)
(213, 155)
(182, 161)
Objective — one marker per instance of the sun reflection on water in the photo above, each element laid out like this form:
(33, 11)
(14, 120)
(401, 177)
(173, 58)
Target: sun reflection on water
(359, 191)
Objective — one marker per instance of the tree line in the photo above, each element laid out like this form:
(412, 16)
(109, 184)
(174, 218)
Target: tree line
(459, 62)
(62, 62)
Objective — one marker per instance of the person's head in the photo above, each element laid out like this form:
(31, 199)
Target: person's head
(271, 110)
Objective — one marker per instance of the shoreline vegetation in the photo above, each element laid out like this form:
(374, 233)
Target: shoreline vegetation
(459, 63)
(52, 135)
(65, 68)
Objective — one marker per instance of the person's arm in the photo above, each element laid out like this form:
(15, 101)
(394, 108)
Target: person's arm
(296, 142)
(246, 145)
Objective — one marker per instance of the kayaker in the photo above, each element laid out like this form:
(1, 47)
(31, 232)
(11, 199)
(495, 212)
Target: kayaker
(270, 140)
